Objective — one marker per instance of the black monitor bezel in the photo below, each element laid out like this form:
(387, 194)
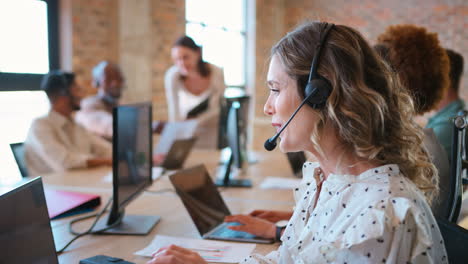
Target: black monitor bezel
(118, 207)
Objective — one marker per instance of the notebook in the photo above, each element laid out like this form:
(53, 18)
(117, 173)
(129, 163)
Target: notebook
(206, 207)
(66, 203)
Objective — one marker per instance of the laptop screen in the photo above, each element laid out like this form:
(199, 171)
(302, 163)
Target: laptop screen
(25, 232)
(201, 198)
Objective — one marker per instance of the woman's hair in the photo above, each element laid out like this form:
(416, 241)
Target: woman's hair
(420, 61)
(370, 110)
(187, 42)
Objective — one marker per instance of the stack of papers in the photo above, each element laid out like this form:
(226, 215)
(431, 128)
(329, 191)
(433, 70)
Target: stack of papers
(209, 250)
(280, 183)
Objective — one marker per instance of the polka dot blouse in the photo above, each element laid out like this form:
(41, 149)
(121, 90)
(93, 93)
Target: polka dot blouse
(378, 216)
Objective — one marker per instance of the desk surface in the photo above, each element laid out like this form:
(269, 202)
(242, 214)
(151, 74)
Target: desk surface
(175, 220)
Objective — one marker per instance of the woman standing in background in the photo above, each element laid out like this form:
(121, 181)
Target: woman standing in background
(194, 89)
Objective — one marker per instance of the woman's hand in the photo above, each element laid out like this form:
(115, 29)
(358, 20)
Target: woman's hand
(253, 225)
(272, 216)
(176, 255)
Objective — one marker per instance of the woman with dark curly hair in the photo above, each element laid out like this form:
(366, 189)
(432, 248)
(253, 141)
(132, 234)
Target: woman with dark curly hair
(363, 201)
(423, 68)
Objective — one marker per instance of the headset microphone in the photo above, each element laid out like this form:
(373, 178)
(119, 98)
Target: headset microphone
(270, 144)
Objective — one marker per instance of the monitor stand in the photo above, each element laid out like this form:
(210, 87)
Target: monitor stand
(250, 157)
(129, 225)
(227, 181)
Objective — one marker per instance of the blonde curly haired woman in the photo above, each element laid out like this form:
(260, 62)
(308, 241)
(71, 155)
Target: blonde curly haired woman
(364, 200)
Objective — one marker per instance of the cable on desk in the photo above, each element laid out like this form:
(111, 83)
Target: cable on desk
(89, 231)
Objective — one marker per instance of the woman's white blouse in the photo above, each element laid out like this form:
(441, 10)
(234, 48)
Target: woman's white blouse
(376, 217)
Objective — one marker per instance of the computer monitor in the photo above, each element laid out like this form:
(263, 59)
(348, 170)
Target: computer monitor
(132, 168)
(235, 130)
(25, 231)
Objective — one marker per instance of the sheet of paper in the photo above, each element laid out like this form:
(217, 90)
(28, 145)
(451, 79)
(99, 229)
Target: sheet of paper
(279, 183)
(210, 250)
(173, 131)
(157, 172)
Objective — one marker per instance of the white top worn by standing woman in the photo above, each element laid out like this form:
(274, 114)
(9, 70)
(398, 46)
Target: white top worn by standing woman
(189, 83)
(366, 200)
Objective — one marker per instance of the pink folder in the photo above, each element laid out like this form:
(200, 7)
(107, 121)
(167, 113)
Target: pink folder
(63, 202)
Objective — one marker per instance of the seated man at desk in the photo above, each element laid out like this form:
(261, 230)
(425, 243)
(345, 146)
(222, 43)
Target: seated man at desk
(55, 142)
(96, 111)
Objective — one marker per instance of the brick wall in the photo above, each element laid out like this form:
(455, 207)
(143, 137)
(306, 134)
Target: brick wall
(94, 27)
(167, 24)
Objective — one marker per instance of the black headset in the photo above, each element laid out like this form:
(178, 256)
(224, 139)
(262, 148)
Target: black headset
(318, 88)
(316, 92)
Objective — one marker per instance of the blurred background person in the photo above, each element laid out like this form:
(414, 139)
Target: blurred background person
(194, 89)
(96, 111)
(55, 142)
(422, 66)
(450, 105)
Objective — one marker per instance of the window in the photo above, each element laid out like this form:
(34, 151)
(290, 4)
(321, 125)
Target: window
(28, 49)
(220, 30)
(29, 46)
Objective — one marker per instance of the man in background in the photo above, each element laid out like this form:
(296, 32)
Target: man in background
(96, 111)
(55, 142)
(450, 104)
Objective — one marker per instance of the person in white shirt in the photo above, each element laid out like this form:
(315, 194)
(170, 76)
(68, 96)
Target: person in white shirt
(192, 83)
(366, 199)
(55, 142)
(96, 111)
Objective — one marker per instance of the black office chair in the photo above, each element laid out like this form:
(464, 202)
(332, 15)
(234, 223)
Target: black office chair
(455, 240)
(458, 166)
(456, 237)
(18, 153)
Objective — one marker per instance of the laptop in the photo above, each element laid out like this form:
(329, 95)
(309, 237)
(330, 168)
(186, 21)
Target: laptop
(296, 161)
(25, 231)
(178, 153)
(206, 207)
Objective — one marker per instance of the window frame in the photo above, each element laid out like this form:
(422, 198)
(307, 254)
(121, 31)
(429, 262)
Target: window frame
(29, 81)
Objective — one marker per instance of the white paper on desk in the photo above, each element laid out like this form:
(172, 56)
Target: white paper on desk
(211, 251)
(173, 131)
(157, 172)
(279, 183)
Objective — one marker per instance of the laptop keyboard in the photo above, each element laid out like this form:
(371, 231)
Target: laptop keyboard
(226, 232)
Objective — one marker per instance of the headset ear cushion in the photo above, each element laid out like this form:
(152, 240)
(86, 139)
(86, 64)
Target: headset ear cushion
(323, 91)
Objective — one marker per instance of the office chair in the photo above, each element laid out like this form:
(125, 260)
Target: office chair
(455, 240)
(18, 153)
(458, 166)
